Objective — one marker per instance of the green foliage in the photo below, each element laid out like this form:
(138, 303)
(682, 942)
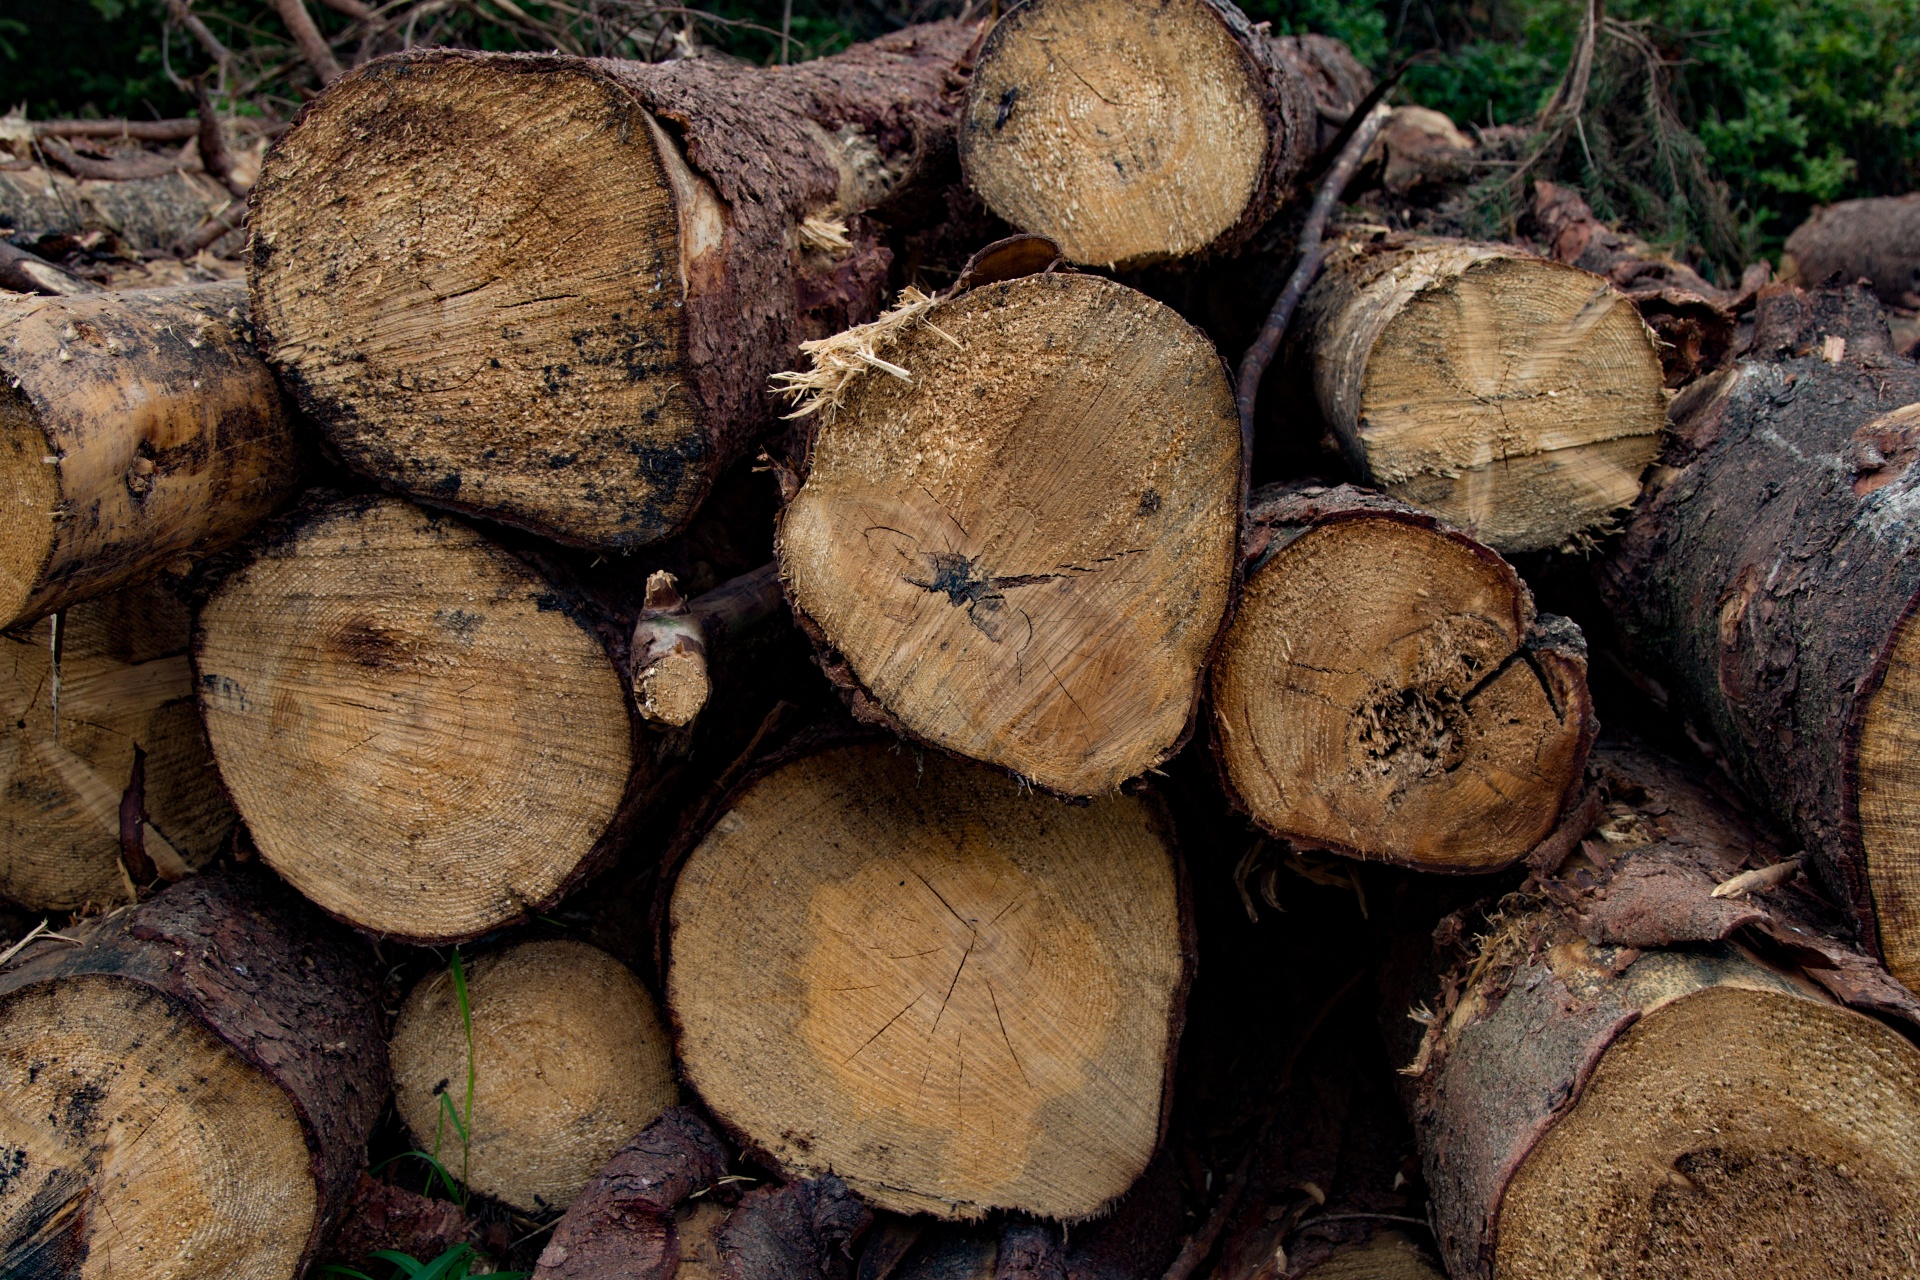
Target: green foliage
(455, 1264)
(1363, 27)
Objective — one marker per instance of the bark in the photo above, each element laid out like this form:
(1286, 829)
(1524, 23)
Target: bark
(251, 963)
(24, 272)
(794, 1231)
(1877, 240)
(1052, 144)
(1693, 320)
(1767, 577)
(379, 1215)
(754, 978)
(1517, 398)
(118, 169)
(1530, 996)
(675, 639)
(622, 1226)
(147, 213)
(141, 428)
(1387, 691)
(735, 213)
(1038, 583)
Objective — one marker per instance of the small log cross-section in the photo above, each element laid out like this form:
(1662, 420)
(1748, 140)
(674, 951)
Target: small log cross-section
(1770, 578)
(103, 758)
(955, 995)
(135, 428)
(187, 1094)
(1385, 689)
(569, 1060)
(425, 735)
(1129, 132)
(1518, 398)
(1022, 551)
(1591, 1100)
(550, 290)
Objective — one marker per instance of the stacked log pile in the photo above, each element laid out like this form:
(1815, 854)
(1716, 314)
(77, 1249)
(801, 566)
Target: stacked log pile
(591, 716)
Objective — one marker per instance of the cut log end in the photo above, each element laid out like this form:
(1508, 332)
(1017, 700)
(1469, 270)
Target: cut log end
(103, 749)
(420, 736)
(1122, 133)
(1517, 398)
(1732, 1133)
(549, 209)
(136, 1141)
(570, 1060)
(1025, 552)
(951, 995)
(1379, 692)
(1887, 786)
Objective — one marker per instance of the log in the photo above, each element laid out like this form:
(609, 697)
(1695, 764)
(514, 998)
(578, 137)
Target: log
(1130, 134)
(958, 996)
(1023, 553)
(24, 272)
(1768, 580)
(147, 213)
(1387, 690)
(379, 1215)
(1623, 1075)
(568, 1060)
(625, 1224)
(1877, 240)
(188, 1091)
(426, 735)
(141, 428)
(1517, 398)
(793, 1231)
(109, 782)
(675, 638)
(550, 290)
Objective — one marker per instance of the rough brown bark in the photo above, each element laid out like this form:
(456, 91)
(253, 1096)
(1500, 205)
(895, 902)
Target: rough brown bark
(1552, 998)
(794, 1231)
(1877, 240)
(656, 241)
(622, 1226)
(379, 1215)
(140, 427)
(23, 272)
(246, 959)
(1768, 576)
(1060, 142)
(1387, 691)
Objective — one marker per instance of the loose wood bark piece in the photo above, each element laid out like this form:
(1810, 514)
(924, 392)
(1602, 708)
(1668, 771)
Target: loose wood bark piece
(1386, 690)
(135, 428)
(1876, 240)
(550, 290)
(108, 777)
(955, 996)
(568, 1059)
(187, 1094)
(425, 735)
(1590, 1106)
(1129, 133)
(799, 1231)
(1769, 578)
(380, 1215)
(622, 1225)
(1023, 554)
(1517, 398)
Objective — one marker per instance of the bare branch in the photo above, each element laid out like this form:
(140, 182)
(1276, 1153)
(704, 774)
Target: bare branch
(313, 45)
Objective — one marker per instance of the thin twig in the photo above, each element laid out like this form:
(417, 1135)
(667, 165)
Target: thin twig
(1253, 365)
(212, 144)
(182, 12)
